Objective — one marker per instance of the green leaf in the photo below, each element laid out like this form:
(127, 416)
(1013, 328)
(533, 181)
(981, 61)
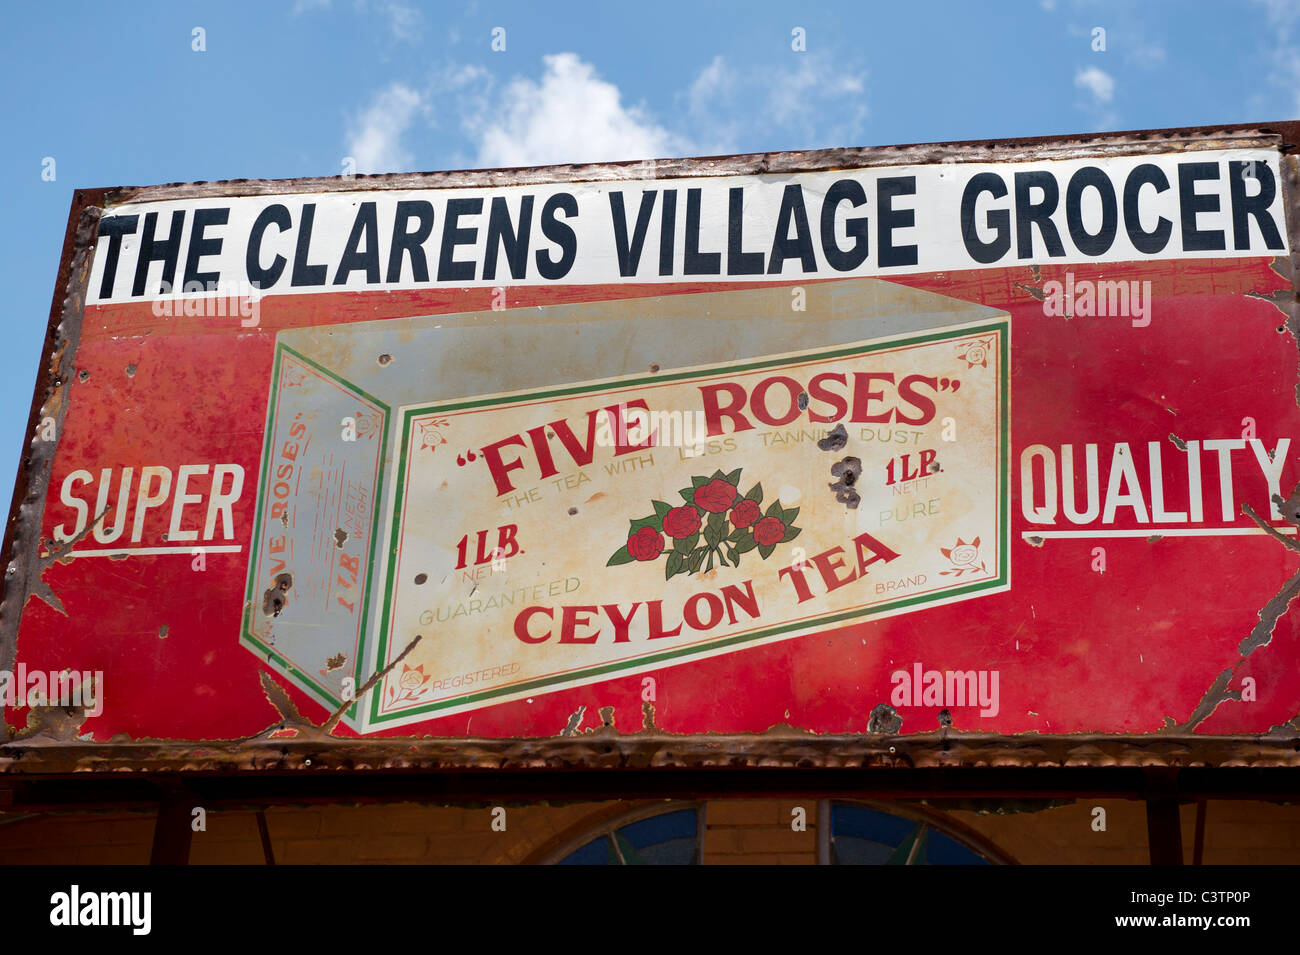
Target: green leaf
(661, 508)
(715, 475)
(712, 535)
(756, 494)
(789, 516)
(774, 510)
(735, 558)
(693, 564)
(686, 544)
(621, 556)
(746, 545)
(654, 520)
(733, 477)
(688, 494)
(738, 534)
(717, 521)
(765, 550)
(675, 562)
(699, 481)
(790, 534)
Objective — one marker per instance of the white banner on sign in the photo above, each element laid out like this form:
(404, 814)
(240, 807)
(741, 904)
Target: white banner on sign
(880, 221)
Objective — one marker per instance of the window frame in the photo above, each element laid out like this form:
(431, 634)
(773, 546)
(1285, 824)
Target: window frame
(940, 822)
(615, 822)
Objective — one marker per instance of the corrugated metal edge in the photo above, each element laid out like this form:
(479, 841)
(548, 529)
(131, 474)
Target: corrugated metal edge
(1284, 134)
(58, 359)
(781, 748)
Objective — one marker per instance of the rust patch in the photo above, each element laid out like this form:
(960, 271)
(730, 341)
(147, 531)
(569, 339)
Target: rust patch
(275, 600)
(575, 721)
(51, 721)
(333, 721)
(781, 747)
(278, 697)
(1285, 266)
(1262, 633)
(836, 439)
(848, 471)
(24, 571)
(40, 588)
(884, 719)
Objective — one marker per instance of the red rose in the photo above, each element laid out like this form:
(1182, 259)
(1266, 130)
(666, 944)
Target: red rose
(769, 531)
(745, 513)
(645, 544)
(716, 496)
(681, 522)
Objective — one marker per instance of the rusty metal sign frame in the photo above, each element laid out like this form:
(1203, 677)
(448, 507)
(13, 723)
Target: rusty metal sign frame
(569, 764)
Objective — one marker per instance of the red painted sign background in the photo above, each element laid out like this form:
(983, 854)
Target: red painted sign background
(1133, 650)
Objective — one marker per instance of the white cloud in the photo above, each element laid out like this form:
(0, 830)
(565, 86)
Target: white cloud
(711, 108)
(1148, 56)
(1287, 76)
(1283, 56)
(794, 90)
(1280, 12)
(375, 141)
(715, 82)
(814, 100)
(1097, 82)
(404, 22)
(571, 115)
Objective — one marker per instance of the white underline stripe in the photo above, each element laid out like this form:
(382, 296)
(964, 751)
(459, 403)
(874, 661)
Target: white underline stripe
(1160, 532)
(129, 551)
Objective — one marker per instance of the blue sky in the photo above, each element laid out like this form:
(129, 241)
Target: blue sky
(116, 94)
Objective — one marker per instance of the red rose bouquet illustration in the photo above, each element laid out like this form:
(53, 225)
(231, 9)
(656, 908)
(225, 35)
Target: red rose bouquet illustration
(716, 524)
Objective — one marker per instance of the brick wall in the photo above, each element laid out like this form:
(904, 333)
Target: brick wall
(749, 832)
(737, 831)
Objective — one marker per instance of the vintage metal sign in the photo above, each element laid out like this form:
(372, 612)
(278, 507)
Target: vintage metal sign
(992, 440)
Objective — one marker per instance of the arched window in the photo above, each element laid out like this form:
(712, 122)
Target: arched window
(871, 833)
(849, 832)
(655, 835)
